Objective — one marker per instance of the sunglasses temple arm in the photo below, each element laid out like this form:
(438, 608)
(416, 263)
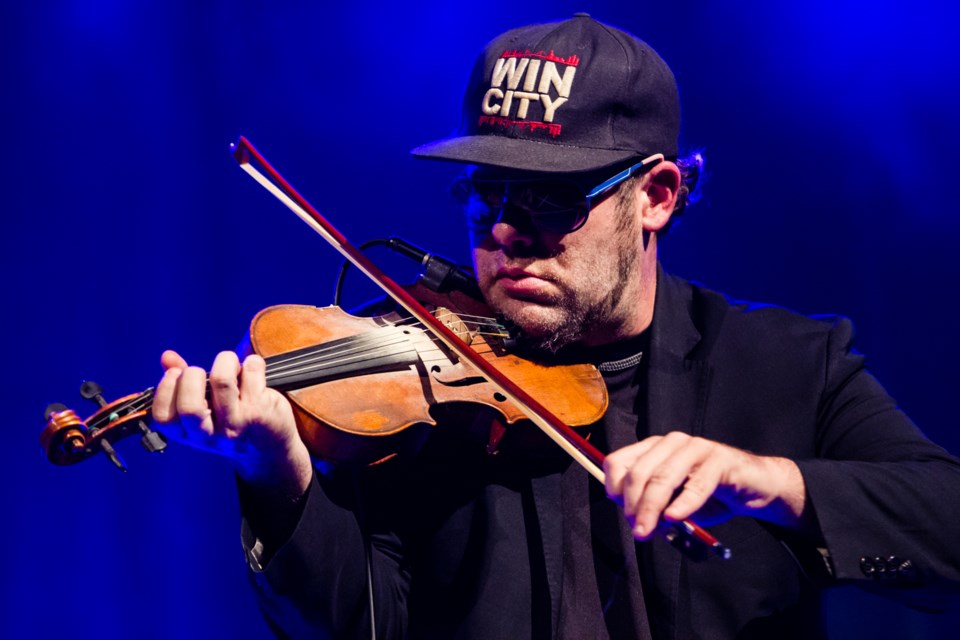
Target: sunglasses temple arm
(623, 175)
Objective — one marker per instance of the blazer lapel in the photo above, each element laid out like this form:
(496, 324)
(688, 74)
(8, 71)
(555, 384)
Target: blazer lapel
(677, 383)
(677, 390)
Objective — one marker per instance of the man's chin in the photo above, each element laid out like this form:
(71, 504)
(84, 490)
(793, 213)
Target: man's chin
(541, 330)
(533, 318)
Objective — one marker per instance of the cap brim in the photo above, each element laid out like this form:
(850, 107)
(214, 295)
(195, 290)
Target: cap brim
(525, 155)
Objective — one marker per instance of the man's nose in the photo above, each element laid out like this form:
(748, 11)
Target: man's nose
(513, 228)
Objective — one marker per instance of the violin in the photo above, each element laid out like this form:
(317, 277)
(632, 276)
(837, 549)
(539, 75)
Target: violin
(433, 365)
(361, 388)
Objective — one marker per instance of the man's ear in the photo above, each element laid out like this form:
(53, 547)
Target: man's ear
(662, 186)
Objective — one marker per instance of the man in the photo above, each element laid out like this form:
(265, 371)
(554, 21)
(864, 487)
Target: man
(753, 420)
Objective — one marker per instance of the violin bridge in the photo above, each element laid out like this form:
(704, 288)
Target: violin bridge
(453, 322)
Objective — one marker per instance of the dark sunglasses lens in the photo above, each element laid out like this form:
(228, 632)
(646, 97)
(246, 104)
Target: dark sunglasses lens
(554, 206)
(481, 202)
(559, 221)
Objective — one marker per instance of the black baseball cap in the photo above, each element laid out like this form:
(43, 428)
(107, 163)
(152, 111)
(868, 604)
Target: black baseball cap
(570, 96)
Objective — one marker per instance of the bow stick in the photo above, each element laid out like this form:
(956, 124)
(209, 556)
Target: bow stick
(584, 453)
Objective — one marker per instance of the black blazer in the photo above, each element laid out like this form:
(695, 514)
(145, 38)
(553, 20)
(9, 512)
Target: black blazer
(468, 547)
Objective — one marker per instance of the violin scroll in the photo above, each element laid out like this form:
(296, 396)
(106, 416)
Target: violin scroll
(63, 438)
(67, 439)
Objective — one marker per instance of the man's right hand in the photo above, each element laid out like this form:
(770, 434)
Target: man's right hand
(241, 419)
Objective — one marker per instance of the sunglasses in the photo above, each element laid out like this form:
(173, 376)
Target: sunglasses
(553, 205)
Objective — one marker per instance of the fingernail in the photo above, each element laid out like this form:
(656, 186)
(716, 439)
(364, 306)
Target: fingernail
(639, 531)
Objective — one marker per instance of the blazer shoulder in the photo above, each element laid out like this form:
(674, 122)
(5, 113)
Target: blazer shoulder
(707, 303)
(759, 326)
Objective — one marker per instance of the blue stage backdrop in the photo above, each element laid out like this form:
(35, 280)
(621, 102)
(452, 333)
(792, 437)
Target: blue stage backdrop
(830, 131)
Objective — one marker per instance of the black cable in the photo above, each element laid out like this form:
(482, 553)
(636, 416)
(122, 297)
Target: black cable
(438, 274)
(338, 288)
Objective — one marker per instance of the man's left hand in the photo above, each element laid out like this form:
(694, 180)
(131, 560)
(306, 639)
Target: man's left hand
(678, 476)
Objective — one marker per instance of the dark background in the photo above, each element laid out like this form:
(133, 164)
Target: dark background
(830, 131)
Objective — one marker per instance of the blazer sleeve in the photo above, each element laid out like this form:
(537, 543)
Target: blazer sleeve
(886, 497)
(315, 585)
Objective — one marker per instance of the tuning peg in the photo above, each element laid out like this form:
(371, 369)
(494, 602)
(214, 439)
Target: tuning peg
(112, 454)
(151, 440)
(90, 390)
(53, 408)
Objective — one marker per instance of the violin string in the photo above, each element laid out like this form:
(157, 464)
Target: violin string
(356, 355)
(438, 347)
(386, 353)
(478, 321)
(323, 356)
(140, 403)
(317, 359)
(359, 355)
(500, 331)
(282, 364)
(497, 329)
(335, 347)
(447, 312)
(473, 318)
(438, 351)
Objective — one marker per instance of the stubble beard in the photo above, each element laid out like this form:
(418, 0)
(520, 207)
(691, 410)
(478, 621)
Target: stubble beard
(575, 317)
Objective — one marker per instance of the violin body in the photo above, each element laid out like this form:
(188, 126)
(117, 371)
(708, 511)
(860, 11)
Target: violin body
(368, 416)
